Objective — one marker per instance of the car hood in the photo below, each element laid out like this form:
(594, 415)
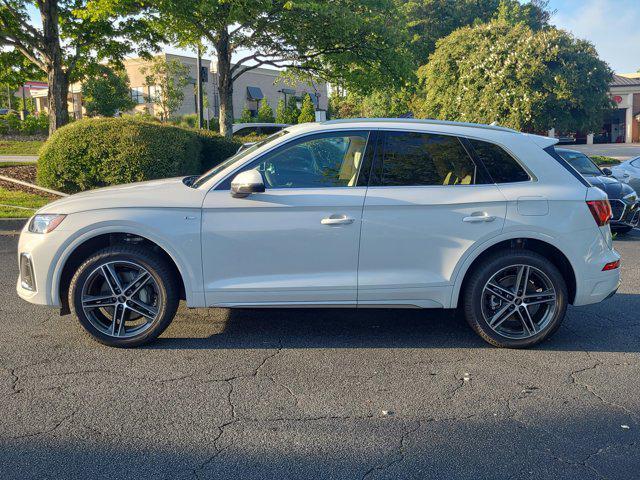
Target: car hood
(168, 192)
(613, 187)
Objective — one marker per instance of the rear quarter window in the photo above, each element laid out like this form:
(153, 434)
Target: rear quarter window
(502, 167)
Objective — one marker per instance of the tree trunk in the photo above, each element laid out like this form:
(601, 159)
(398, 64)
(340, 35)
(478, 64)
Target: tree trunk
(225, 84)
(56, 76)
(57, 97)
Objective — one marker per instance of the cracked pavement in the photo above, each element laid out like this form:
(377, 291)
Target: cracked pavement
(340, 394)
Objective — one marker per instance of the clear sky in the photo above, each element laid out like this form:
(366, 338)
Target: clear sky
(613, 26)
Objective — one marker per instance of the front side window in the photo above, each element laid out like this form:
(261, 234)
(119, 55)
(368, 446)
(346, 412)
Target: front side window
(415, 159)
(326, 160)
(502, 167)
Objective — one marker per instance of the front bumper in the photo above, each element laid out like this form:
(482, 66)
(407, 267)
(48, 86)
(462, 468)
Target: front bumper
(43, 253)
(624, 214)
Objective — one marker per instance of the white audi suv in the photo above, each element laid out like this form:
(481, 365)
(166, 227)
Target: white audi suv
(383, 213)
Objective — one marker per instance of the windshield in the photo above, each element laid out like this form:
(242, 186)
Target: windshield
(205, 177)
(581, 163)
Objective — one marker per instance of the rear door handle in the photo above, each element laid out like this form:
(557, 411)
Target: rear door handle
(337, 220)
(477, 217)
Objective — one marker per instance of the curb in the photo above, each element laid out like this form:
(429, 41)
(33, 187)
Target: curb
(12, 226)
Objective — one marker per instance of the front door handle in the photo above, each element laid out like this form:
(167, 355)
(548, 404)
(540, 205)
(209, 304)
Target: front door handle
(477, 217)
(337, 220)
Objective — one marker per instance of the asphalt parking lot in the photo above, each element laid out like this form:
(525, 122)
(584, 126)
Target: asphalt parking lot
(321, 394)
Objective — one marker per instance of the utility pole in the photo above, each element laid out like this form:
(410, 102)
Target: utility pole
(9, 96)
(199, 88)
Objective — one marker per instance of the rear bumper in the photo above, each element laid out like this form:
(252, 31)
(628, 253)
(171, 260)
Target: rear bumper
(597, 289)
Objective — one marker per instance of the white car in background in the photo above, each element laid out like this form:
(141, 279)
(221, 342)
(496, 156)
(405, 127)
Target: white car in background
(383, 213)
(628, 172)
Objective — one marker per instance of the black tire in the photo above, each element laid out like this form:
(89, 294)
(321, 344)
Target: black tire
(473, 296)
(621, 230)
(167, 295)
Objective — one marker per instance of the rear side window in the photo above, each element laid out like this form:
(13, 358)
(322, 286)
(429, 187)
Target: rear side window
(415, 159)
(502, 167)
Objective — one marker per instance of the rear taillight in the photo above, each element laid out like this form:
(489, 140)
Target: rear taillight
(611, 266)
(601, 211)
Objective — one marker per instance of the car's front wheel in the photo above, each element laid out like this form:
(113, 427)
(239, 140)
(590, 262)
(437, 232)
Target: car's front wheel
(515, 299)
(124, 296)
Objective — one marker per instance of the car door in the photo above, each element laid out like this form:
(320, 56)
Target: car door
(428, 202)
(296, 243)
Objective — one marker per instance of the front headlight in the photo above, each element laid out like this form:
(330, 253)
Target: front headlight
(630, 198)
(45, 223)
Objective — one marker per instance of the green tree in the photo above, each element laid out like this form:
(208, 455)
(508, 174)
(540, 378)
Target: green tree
(281, 112)
(107, 92)
(518, 77)
(167, 78)
(307, 111)
(292, 110)
(245, 116)
(67, 42)
(15, 70)
(360, 42)
(265, 112)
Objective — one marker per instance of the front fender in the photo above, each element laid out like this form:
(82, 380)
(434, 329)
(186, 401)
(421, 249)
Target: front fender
(176, 231)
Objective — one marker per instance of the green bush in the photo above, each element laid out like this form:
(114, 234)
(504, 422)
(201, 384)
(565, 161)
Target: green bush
(34, 124)
(98, 152)
(215, 148)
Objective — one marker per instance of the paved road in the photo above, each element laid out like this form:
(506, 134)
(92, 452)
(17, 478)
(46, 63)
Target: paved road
(621, 151)
(19, 158)
(320, 394)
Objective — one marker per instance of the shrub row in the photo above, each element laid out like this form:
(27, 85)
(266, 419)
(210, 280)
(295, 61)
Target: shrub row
(10, 124)
(93, 153)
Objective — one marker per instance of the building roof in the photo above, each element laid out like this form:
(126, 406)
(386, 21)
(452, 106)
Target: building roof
(619, 81)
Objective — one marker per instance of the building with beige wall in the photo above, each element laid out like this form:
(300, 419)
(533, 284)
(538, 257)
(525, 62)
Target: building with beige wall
(253, 87)
(259, 82)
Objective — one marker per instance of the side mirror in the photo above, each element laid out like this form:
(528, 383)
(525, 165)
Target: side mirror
(246, 183)
(607, 171)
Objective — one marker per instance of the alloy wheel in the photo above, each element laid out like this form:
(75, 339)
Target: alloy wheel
(519, 301)
(121, 299)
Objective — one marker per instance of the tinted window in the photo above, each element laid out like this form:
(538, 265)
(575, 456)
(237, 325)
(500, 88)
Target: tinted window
(412, 158)
(327, 160)
(269, 130)
(246, 131)
(502, 167)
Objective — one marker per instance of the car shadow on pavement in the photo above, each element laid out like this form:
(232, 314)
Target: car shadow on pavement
(610, 326)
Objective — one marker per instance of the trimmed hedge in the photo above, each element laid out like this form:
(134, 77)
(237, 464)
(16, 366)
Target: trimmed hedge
(98, 152)
(215, 148)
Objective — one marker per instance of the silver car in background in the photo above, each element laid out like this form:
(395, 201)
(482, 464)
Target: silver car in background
(628, 172)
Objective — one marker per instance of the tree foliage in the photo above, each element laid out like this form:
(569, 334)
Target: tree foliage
(430, 20)
(307, 110)
(378, 104)
(281, 112)
(359, 42)
(68, 42)
(168, 78)
(107, 92)
(265, 112)
(525, 79)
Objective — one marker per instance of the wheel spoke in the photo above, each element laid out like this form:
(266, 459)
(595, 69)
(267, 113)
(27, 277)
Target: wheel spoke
(117, 324)
(520, 288)
(142, 309)
(527, 321)
(498, 291)
(502, 314)
(112, 279)
(89, 301)
(139, 282)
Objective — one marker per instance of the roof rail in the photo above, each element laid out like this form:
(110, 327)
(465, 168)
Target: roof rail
(419, 121)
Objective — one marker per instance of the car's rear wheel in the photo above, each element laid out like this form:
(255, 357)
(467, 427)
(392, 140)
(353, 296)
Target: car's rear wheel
(515, 299)
(124, 296)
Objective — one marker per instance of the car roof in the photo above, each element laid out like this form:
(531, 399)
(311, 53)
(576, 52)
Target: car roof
(485, 132)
